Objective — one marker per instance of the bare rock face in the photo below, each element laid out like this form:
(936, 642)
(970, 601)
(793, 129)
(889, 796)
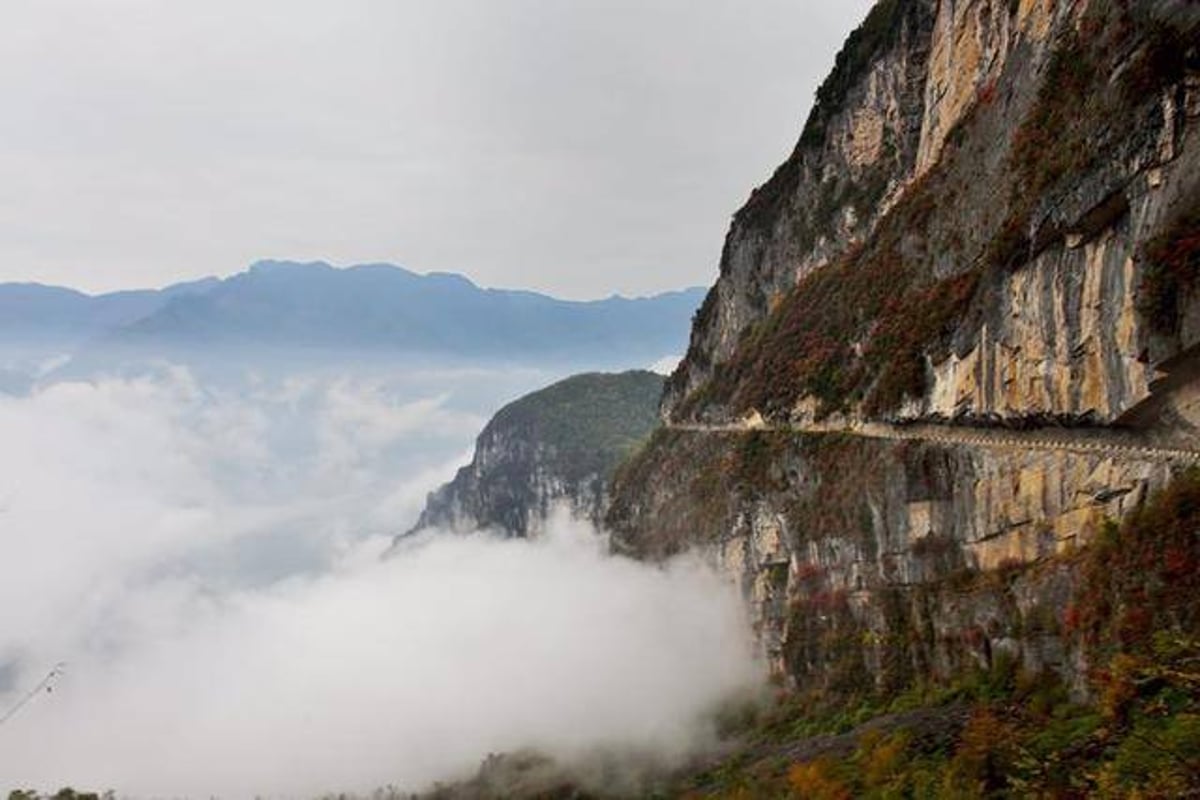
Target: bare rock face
(558, 445)
(895, 560)
(985, 225)
(957, 138)
(857, 150)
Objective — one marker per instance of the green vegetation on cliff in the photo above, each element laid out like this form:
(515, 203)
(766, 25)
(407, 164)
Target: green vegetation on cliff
(856, 333)
(561, 443)
(812, 344)
(948, 618)
(599, 417)
(994, 729)
(1172, 270)
(1001, 731)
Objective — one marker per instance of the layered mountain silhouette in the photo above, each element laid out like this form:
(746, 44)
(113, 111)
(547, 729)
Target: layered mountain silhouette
(315, 308)
(383, 307)
(31, 313)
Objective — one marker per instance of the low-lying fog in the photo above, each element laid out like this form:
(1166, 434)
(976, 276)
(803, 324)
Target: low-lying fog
(206, 560)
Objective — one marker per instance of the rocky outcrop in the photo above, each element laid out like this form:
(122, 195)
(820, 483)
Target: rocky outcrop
(990, 220)
(894, 559)
(1028, 150)
(556, 445)
(860, 145)
(1064, 335)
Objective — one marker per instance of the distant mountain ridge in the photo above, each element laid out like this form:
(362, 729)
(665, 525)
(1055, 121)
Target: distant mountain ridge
(33, 311)
(368, 308)
(384, 307)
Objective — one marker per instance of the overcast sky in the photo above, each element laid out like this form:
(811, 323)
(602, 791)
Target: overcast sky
(579, 147)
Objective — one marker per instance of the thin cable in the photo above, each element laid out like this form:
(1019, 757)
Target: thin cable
(45, 685)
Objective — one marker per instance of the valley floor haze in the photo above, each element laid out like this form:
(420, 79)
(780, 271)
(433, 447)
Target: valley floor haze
(209, 562)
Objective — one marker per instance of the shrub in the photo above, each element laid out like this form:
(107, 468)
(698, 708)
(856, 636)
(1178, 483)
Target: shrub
(1171, 270)
(882, 759)
(1144, 576)
(818, 780)
(984, 757)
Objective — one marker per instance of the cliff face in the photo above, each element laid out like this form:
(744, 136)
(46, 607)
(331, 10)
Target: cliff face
(990, 222)
(994, 169)
(556, 445)
(870, 560)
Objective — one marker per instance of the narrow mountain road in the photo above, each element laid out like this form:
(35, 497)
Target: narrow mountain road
(1102, 442)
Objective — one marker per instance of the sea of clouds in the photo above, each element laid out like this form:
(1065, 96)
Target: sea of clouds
(208, 561)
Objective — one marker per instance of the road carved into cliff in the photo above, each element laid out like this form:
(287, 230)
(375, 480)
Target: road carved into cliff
(1101, 442)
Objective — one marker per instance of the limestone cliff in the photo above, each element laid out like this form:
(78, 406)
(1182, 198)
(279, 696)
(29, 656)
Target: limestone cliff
(990, 222)
(962, 228)
(559, 444)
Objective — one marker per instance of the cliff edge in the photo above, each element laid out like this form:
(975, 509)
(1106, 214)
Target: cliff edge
(953, 347)
(558, 444)
(968, 226)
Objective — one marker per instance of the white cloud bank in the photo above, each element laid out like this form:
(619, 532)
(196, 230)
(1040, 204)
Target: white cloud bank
(207, 565)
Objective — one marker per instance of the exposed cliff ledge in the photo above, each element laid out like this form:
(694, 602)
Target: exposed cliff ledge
(963, 228)
(873, 554)
(559, 444)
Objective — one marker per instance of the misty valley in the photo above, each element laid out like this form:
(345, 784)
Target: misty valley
(206, 540)
(893, 492)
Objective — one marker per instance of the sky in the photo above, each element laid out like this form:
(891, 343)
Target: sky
(577, 147)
